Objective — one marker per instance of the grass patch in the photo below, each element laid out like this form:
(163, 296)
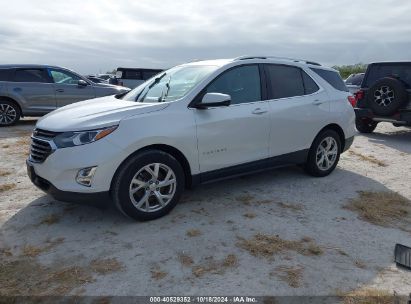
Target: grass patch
(370, 159)
(245, 198)
(185, 260)
(4, 172)
(157, 274)
(249, 215)
(215, 267)
(291, 275)
(269, 245)
(106, 266)
(34, 251)
(7, 187)
(369, 296)
(50, 219)
(193, 232)
(293, 207)
(386, 209)
(25, 276)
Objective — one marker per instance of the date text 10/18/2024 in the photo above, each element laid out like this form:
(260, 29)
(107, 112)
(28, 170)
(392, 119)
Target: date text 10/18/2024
(239, 299)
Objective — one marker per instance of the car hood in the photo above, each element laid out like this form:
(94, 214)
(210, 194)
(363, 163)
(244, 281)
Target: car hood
(94, 113)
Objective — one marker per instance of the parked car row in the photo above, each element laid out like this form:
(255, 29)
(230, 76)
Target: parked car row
(192, 124)
(35, 90)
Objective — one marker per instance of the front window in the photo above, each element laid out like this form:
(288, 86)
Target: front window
(64, 77)
(241, 83)
(171, 85)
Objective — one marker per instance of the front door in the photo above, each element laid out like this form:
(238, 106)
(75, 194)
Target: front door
(67, 88)
(236, 134)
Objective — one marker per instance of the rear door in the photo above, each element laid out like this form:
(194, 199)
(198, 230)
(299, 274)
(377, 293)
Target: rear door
(298, 109)
(34, 89)
(67, 88)
(236, 134)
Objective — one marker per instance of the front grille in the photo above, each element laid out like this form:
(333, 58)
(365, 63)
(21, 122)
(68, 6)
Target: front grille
(45, 134)
(41, 145)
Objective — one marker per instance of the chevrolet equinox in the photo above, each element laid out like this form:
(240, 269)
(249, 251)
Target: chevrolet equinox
(192, 124)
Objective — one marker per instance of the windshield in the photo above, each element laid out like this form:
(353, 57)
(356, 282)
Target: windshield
(170, 85)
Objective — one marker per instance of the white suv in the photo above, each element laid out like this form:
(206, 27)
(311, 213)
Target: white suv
(191, 124)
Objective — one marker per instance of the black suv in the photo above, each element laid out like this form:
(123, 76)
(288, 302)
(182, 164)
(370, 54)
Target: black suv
(385, 96)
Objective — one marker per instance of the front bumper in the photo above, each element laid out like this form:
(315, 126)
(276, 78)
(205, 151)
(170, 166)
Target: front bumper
(65, 196)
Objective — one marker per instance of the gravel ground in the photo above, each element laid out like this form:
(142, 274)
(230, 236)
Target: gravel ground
(203, 246)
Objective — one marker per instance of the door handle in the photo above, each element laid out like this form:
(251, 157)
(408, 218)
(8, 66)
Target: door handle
(318, 102)
(60, 90)
(259, 111)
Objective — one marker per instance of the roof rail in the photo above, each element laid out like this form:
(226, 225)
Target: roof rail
(275, 57)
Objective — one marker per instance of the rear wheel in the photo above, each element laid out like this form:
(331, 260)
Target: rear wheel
(324, 154)
(9, 113)
(148, 185)
(365, 125)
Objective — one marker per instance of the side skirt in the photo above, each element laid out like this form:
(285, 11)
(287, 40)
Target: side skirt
(284, 160)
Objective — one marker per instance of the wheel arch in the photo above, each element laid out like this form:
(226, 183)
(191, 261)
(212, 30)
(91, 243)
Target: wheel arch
(177, 154)
(335, 127)
(13, 101)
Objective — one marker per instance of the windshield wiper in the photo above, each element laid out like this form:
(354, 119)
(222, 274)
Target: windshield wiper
(165, 94)
(149, 87)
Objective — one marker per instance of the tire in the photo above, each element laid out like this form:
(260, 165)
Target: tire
(145, 204)
(9, 113)
(312, 165)
(386, 96)
(365, 125)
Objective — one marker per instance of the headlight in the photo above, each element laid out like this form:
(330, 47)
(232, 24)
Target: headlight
(71, 139)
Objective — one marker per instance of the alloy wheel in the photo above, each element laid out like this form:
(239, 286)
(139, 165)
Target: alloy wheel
(384, 96)
(153, 187)
(8, 114)
(327, 153)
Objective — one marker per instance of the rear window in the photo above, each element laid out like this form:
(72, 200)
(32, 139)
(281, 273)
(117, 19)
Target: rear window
(30, 75)
(4, 75)
(355, 79)
(398, 70)
(333, 78)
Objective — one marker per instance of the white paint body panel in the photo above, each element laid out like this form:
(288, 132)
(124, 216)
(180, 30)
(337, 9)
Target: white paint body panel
(209, 139)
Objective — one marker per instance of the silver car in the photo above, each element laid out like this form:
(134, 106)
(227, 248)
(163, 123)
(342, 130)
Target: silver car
(35, 90)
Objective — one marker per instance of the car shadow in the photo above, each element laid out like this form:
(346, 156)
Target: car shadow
(398, 139)
(283, 202)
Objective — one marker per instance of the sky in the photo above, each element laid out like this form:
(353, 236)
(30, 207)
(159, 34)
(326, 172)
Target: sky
(93, 36)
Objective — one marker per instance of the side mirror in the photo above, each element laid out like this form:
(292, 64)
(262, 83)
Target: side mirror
(82, 83)
(211, 100)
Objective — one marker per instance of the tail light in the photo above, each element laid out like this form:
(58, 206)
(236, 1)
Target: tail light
(359, 95)
(352, 100)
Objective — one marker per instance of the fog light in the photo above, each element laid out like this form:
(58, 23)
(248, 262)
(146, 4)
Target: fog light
(85, 176)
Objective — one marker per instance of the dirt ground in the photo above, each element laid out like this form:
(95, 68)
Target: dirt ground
(279, 232)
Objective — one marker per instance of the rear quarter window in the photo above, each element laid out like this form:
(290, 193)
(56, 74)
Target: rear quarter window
(333, 78)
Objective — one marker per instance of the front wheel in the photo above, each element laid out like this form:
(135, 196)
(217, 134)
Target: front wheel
(148, 185)
(324, 154)
(365, 125)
